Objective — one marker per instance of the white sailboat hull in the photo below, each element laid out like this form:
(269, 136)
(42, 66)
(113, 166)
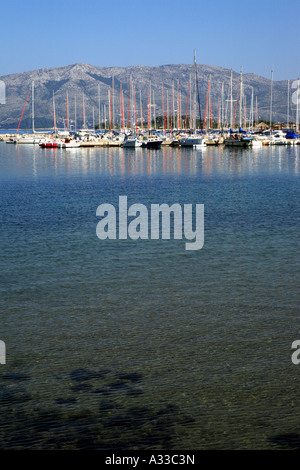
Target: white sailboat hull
(132, 143)
(25, 141)
(192, 141)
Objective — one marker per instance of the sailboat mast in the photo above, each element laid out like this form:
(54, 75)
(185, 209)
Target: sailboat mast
(231, 101)
(23, 112)
(67, 111)
(255, 112)
(194, 107)
(75, 117)
(33, 107)
(178, 106)
(54, 119)
(210, 111)
(271, 97)
(251, 119)
(148, 105)
(99, 116)
(135, 114)
(122, 110)
(154, 111)
(206, 105)
(241, 97)
(150, 101)
(190, 101)
(288, 106)
(172, 107)
(112, 102)
(197, 84)
(109, 107)
(163, 103)
(132, 104)
(83, 111)
(187, 105)
(141, 110)
(297, 108)
(222, 105)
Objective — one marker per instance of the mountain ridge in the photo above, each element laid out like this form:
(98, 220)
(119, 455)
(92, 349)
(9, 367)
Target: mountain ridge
(81, 79)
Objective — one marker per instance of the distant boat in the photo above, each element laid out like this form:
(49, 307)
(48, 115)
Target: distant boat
(152, 142)
(132, 142)
(279, 138)
(238, 141)
(192, 141)
(51, 143)
(291, 135)
(25, 140)
(46, 145)
(69, 143)
(11, 140)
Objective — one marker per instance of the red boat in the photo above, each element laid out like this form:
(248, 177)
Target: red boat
(49, 144)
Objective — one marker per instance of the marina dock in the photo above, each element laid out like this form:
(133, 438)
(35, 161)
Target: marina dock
(176, 138)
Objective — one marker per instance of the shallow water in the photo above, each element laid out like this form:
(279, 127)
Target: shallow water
(122, 344)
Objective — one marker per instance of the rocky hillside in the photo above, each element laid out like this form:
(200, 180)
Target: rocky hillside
(80, 80)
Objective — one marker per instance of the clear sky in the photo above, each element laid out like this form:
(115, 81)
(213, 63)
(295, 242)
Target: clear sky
(257, 35)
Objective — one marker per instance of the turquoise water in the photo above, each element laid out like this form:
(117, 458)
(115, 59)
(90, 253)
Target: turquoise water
(122, 344)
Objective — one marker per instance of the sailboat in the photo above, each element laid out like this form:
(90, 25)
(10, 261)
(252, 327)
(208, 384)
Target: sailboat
(34, 138)
(25, 139)
(69, 143)
(53, 142)
(132, 140)
(194, 140)
(238, 140)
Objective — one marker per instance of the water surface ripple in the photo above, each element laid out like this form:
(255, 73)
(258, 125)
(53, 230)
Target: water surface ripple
(123, 344)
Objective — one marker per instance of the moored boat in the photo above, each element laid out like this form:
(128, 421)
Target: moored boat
(131, 142)
(153, 143)
(192, 141)
(25, 140)
(11, 140)
(50, 143)
(237, 140)
(69, 143)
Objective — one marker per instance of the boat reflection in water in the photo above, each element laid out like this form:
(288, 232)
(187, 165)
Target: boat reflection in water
(122, 161)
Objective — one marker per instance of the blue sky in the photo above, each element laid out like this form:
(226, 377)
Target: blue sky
(257, 35)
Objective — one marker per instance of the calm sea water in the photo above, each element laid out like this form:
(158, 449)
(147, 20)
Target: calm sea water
(123, 344)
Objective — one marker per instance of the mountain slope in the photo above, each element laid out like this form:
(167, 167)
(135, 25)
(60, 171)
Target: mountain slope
(83, 79)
